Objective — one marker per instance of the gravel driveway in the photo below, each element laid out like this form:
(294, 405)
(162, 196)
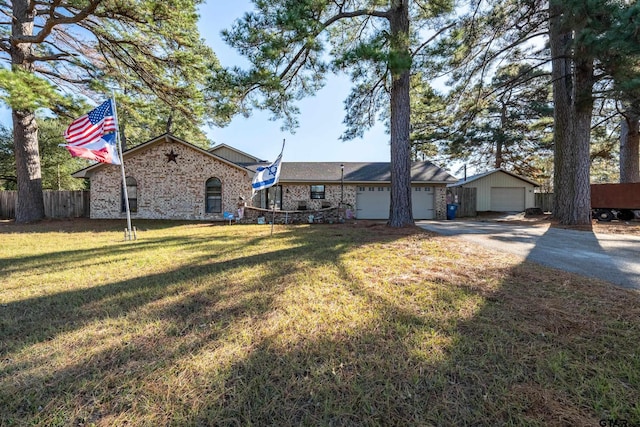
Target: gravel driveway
(611, 257)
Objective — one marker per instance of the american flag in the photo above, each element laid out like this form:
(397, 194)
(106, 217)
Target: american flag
(93, 137)
(92, 126)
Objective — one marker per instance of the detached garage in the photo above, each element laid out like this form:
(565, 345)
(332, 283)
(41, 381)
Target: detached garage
(500, 191)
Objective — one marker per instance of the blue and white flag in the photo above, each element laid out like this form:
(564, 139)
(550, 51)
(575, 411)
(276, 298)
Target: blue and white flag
(267, 176)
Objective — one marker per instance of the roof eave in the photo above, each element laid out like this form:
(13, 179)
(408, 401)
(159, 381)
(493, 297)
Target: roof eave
(321, 181)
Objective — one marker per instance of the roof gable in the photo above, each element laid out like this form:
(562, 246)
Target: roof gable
(479, 176)
(167, 137)
(233, 154)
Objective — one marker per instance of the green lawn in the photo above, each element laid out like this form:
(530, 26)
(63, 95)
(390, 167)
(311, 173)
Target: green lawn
(323, 325)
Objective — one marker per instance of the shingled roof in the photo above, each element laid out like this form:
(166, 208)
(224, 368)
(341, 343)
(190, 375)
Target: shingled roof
(483, 174)
(357, 172)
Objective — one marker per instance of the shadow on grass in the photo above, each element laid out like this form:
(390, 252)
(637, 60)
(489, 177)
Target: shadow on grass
(518, 360)
(184, 306)
(84, 225)
(547, 354)
(202, 346)
(67, 256)
(44, 315)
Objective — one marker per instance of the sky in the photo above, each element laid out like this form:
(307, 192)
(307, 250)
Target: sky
(320, 118)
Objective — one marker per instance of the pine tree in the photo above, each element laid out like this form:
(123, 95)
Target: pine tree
(149, 48)
(374, 41)
(589, 42)
(502, 125)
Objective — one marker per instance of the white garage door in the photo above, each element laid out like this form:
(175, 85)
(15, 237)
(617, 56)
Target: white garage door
(422, 202)
(507, 199)
(373, 202)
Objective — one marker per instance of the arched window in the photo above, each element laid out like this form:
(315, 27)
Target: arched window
(132, 194)
(214, 195)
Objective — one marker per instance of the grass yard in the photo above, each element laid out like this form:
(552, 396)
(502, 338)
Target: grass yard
(324, 325)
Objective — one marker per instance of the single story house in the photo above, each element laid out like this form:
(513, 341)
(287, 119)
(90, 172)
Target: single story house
(499, 190)
(168, 178)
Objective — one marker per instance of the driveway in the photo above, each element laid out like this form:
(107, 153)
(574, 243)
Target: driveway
(611, 257)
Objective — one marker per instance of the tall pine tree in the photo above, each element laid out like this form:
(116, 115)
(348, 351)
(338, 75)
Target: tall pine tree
(374, 41)
(148, 47)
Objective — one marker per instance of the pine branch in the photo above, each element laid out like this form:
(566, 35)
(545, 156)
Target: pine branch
(53, 22)
(327, 24)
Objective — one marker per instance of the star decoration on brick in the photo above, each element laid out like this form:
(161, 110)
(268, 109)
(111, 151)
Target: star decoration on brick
(171, 156)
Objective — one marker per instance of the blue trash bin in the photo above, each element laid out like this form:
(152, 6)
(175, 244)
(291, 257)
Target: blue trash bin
(451, 211)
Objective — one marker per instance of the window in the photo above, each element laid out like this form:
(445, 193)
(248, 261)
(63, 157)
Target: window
(132, 195)
(214, 195)
(425, 189)
(317, 191)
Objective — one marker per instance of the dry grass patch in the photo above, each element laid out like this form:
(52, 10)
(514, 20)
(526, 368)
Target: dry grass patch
(196, 324)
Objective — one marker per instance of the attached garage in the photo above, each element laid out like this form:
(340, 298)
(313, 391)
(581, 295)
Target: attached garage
(500, 191)
(422, 202)
(373, 202)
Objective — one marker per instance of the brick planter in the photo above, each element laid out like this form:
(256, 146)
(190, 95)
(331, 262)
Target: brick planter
(327, 215)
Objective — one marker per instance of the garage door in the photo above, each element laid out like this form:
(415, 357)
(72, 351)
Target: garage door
(373, 202)
(507, 199)
(422, 202)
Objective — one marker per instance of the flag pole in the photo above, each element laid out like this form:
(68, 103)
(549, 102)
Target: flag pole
(124, 178)
(273, 217)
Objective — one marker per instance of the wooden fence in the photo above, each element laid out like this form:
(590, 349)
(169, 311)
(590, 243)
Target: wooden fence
(544, 201)
(467, 201)
(57, 204)
(7, 204)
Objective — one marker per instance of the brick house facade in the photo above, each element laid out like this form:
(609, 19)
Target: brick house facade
(168, 178)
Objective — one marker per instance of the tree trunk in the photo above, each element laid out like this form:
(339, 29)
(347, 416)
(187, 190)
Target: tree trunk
(400, 211)
(572, 77)
(501, 136)
(630, 148)
(559, 43)
(30, 204)
(583, 106)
